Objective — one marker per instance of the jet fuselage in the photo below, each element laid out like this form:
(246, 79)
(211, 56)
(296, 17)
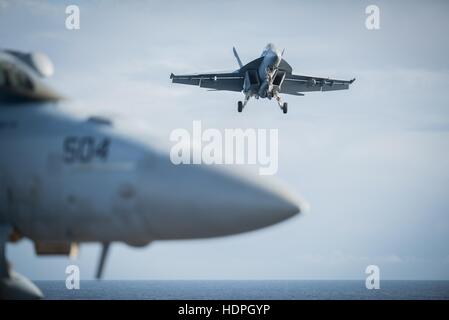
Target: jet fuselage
(63, 179)
(271, 60)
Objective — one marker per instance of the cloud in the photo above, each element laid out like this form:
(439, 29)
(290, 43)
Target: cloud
(372, 161)
(34, 7)
(432, 127)
(4, 4)
(340, 258)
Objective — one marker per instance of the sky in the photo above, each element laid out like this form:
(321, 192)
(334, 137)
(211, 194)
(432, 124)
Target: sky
(371, 161)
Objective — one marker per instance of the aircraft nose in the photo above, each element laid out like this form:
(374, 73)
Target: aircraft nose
(247, 204)
(275, 60)
(188, 201)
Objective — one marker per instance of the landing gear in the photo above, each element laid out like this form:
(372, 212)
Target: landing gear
(241, 105)
(283, 106)
(104, 254)
(13, 285)
(5, 230)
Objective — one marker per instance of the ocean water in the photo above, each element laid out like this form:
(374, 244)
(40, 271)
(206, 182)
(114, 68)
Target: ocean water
(242, 290)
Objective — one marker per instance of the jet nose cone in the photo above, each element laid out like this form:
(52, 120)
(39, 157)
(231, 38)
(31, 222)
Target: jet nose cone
(275, 60)
(188, 201)
(264, 204)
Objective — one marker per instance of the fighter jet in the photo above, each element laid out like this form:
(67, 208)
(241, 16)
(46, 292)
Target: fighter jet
(66, 181)
(265, 77)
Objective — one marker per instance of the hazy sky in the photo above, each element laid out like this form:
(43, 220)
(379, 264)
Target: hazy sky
(372, 161)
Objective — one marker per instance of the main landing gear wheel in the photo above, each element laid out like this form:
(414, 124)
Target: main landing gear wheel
(240, 106)
(13, 286)
(284, 107)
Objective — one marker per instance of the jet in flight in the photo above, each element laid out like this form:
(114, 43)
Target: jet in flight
(265, 77)
(66, 181)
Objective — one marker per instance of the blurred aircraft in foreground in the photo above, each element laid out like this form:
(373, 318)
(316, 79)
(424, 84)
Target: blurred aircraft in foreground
(264, 77)
(64, 181)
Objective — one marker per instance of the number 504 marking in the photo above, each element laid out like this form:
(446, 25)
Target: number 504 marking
(85, 149)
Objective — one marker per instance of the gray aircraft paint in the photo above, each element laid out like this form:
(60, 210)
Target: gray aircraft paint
(265, 77)
(66, 180)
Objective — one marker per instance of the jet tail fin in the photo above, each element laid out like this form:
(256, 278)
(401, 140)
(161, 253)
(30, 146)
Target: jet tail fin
(236, 55)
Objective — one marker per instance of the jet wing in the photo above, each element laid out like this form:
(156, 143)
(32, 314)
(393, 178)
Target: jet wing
(295, 84)
(232, 81)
